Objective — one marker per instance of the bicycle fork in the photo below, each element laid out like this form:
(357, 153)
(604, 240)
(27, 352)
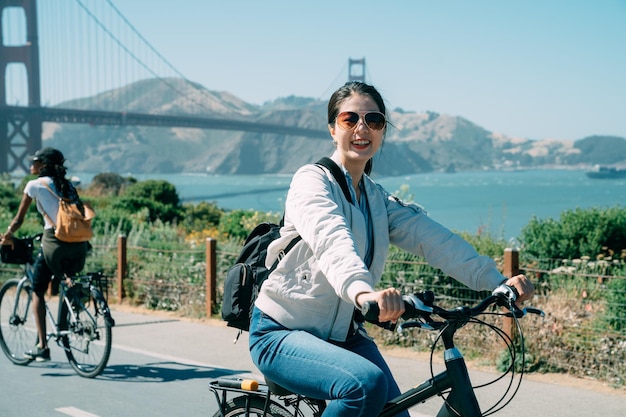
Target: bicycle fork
(16, 319)
(461, 401)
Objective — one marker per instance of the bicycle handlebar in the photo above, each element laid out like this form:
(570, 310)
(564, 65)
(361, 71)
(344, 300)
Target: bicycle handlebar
(421, 305)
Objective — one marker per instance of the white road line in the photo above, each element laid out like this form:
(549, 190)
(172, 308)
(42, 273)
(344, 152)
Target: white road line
(177, 359)
(164, 357)
(203, 364)
(74, 412)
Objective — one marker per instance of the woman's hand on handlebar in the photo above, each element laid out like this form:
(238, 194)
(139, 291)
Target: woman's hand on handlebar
(525, 289)
(390, 304)
(6, 239)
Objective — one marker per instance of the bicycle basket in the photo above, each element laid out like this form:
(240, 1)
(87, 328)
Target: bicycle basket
(20, 252)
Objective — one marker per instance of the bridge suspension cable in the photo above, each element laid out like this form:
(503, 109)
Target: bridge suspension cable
(86, 59)
(121, 50)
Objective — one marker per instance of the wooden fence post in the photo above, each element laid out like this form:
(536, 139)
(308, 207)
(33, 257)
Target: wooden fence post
(122, 267)
(511, 262)
(211, 281)
(511, 269)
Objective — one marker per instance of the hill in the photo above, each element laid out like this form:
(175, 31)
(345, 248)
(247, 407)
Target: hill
(415, 142)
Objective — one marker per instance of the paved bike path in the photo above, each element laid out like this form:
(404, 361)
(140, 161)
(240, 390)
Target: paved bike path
(210, 343)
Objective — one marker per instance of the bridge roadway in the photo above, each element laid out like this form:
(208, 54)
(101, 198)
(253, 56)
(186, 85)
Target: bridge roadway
(53, 114)
(161, 366)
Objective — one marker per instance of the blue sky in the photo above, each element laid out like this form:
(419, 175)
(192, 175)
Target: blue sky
(539, 69)
(531, 68)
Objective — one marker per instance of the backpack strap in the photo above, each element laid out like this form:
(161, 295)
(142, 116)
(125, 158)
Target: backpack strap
(340, 178)
(50, 189)
(282, 253)
(52, 222)
(338, 174)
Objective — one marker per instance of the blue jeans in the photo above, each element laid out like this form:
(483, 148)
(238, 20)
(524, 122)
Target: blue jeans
(352, 375)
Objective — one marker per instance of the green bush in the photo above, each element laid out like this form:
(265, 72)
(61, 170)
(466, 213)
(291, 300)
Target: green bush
(615, 314)
(232, 223)
(486, 244)
(109, 184)
(9, 197)
(159, 190)
(200, 216)
(159, 197)
(113, 219)
(577, 233)
(156, 210)
(525, 363)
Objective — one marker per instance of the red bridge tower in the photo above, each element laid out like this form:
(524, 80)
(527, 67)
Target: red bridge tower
(20, 132)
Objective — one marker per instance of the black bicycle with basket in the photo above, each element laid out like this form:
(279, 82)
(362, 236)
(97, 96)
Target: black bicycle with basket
(249, 398)
(82, 324)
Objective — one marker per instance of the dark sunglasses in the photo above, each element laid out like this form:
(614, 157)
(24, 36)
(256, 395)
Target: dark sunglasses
(373, 120)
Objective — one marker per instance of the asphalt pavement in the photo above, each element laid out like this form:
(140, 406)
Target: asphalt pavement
(210, 343)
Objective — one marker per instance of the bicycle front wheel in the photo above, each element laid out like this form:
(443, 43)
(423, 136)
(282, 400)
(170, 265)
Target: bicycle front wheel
(17, 334)
(252, 406)
(86, 338)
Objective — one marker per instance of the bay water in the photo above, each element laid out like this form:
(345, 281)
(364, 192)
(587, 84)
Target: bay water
(496, 202)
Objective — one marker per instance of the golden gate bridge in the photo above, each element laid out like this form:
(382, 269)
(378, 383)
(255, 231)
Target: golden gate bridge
(111, 53)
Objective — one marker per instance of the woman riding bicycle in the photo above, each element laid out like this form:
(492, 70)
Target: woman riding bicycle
(304, 333)
(55, 257)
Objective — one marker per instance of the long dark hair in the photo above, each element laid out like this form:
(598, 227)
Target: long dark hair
(345, 92)
(53, 167)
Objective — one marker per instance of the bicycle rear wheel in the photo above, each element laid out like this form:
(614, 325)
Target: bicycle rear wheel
(238, 406)
(86, 339)
(17, 334)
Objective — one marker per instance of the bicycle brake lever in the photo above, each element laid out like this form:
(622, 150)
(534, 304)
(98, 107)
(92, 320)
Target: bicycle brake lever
(533, 310)
(413, 304)
(412, 324)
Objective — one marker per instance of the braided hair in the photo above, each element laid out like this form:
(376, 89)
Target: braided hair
(53, 167)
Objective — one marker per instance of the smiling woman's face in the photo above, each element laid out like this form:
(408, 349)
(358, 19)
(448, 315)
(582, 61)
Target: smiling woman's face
(357, 145)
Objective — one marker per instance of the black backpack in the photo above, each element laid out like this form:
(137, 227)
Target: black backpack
(244, 279)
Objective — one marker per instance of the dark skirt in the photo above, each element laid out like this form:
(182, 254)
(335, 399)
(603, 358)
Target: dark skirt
(63, 257)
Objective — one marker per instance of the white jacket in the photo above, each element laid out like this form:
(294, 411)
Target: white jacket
(315, 284)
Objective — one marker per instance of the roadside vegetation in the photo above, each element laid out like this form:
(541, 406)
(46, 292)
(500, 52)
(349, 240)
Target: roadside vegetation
(577, 261)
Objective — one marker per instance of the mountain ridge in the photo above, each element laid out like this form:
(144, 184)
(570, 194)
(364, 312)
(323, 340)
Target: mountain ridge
(415, 142)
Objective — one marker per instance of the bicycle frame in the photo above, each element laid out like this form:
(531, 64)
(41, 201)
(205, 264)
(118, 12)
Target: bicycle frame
(63, 299)
(453, 384)
(82, 332)
(461, 400)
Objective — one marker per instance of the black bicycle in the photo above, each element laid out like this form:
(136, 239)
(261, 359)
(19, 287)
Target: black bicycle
(82, 326)
(249, 398)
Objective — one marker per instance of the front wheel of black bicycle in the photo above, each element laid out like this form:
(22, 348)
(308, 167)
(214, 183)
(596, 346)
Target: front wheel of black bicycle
(252, 406)
(17, 331)
(86, 339)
